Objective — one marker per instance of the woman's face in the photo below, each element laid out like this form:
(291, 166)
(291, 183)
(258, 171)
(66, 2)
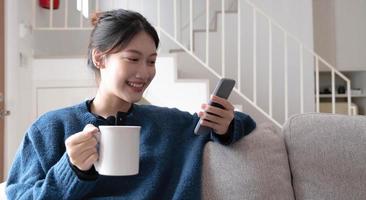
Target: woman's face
(126, 74)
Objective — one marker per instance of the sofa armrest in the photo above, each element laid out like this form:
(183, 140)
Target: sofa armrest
(327, 155)
(255, 167)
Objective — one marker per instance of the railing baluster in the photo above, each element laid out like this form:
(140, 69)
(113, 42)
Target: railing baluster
(333, 92)
(270, 67)
(254, 56)
(223, 38)
(34, 15)
(85, 9)
(341, 76)
(66, 13)
(239, 47)
(349, 96)
(301, 79)
(191, 25)
(286, 75)
(207, 30)
(175, 18)
(317, 83)
(51, 14)
(81, 13)
(158, 16)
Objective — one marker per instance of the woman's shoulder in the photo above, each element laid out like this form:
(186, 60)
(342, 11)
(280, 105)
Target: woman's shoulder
(62, 117)
(162, 111)
(149, 107)
(69, 112)
(165, 116)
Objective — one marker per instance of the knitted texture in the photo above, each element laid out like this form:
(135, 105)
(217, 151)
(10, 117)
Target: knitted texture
(170, 156)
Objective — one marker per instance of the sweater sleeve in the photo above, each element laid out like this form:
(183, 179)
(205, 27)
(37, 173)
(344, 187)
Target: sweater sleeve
(34, 177)
(241, 126)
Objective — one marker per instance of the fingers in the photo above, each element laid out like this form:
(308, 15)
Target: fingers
(217, 118)
(90, 128)
(218, 124)
(225, 103)
(216, 127)
(86, 159)
(217, 111)
(84, 146)
(88, 132)
(90, 161)
(81, 147)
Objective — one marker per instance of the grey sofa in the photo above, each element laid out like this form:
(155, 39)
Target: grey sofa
(316, 156)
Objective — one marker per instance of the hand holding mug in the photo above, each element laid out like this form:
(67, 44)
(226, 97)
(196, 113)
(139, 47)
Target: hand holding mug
(81, 148)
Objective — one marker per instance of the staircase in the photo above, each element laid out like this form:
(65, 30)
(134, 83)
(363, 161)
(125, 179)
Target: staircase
(168, 91)
(216, 64)
(265, 90)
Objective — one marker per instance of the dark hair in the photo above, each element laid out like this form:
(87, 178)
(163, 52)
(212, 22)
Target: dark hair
(113, 30)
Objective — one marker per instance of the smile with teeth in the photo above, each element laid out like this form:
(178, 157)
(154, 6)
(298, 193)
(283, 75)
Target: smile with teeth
(136, 85)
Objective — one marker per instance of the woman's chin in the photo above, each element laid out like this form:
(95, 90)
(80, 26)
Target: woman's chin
(134, 99)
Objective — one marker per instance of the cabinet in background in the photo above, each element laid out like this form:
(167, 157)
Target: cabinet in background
(358, 85)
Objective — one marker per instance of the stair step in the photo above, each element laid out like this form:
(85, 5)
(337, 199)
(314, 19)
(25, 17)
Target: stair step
(215, 30)
(168, 91)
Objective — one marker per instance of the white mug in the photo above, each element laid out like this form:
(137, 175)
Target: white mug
(119, 150)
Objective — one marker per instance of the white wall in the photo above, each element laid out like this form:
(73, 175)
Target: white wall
(324, 30)
(350, 30)
(340, 33)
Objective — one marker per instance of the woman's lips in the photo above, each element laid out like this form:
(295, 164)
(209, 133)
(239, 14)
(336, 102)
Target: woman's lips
(136, 86)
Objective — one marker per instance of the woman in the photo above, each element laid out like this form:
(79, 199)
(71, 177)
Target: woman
(55, 159)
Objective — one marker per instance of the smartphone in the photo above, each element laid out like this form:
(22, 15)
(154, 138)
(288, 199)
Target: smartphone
(223, 90)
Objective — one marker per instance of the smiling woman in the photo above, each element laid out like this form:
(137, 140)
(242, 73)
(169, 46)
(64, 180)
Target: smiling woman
(57, 155)
(127, 73)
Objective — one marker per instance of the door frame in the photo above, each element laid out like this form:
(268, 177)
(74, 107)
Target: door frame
(2, 88)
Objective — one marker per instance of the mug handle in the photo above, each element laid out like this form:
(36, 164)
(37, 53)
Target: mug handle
(97, 163)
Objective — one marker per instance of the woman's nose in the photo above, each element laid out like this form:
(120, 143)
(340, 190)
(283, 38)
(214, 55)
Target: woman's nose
(142, 72)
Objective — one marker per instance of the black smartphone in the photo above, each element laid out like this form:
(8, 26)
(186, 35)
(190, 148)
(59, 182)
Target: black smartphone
(223, 90)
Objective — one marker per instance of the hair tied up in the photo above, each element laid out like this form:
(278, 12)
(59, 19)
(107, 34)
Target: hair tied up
(95, 18)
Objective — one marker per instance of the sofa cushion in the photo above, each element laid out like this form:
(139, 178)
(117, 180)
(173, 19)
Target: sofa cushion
(327, 155)
(255, 167)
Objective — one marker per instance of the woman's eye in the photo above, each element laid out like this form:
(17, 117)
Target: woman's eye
(133, 59)
(152, 62)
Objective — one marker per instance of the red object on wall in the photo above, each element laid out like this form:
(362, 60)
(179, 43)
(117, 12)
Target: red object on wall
(47, 4)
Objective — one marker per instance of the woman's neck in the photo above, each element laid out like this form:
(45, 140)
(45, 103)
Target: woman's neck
(106, 105)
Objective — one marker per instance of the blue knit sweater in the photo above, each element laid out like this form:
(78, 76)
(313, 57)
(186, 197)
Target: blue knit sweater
(170, 157)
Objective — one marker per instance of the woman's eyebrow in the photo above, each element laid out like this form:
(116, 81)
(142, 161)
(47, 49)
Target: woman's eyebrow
(133, 51)
(138, 52)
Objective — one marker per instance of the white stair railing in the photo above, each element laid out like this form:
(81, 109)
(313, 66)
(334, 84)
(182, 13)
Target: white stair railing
(256, 12)
(287, 35)
(272, 23)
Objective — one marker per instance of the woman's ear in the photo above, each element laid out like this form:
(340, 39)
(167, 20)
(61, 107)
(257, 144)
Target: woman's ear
(98, 59)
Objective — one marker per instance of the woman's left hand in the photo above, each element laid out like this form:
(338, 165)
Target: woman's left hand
(218, 119)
